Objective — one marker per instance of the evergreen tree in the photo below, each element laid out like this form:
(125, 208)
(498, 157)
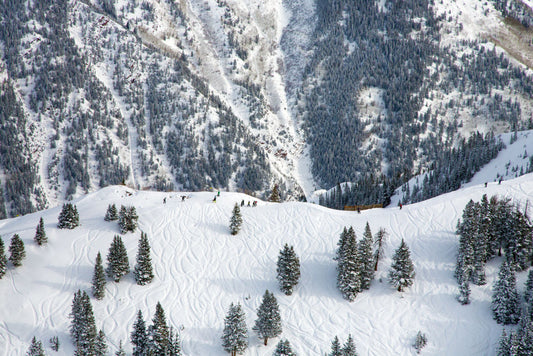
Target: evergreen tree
(174, 343)
(505, 300)
(420, 341)
(40, 234)
(349, 347)
(283, 349)
(268, 323)
(120, 351)
(159, 332)
(117, 260)
(100, 344)
(464, 292)
(54, 343)
(274, 197)
(83, 326)
(234, 337)
(528, 293)
(348, 269)
(236, 220)
(36, 348)
(139, 336)
(341, 243)
(366, 258)
(402, 271)
(504, 346)
(3, 259)
(111, 214)
(379, 243)
(127, 219)
(288, 269)
(522, 342)
(99, 278)
(143, 269)
(16, 250)
(335, 347)
(69, 217)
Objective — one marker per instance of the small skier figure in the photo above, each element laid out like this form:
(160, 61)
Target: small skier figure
(242, 203)
(164, 200)
(183, 197)
(255, 203)
(485, 184)
(248, 203)
(215, 199)
(218, 194)
(400, 206)
(358, 210)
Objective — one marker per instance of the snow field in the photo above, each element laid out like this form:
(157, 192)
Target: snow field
(200, 269)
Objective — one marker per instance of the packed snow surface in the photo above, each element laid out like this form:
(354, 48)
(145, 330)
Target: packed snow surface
(200, 268)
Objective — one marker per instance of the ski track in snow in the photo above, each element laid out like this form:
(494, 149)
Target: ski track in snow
(200, 268)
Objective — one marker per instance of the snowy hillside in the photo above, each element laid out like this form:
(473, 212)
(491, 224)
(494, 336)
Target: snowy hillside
(200, 269)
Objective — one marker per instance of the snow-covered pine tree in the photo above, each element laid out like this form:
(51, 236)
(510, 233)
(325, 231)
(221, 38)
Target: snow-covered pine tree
(16, 251)
(288, 269)
(143, 271)
(68, 217)
(3, 259)
(349, 347)
(464, 292)
(505, 299)
(159, 332)
(139, 336)
(83, 326)
(274, 196)
(348, 270)
(504, 345)
(111, 214)
(36, 348)
(235, 334)
(283, 349)
(379, 243)
(40, 234)
(522, 343)
(420, 341)
(341, 243)
(174, 343)
(366, 258)
(127, 219)
(120, 351)
(268, 322)
(99, 278)
(235, 220)
(117, 260)
(402, 271)
(528, 292)
(54, 343)
(336, 349)
(100, 344)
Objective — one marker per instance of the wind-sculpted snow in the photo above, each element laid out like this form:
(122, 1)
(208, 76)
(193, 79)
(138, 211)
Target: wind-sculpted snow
(200, 268)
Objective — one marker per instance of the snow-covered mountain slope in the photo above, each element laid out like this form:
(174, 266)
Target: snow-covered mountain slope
(200, 268)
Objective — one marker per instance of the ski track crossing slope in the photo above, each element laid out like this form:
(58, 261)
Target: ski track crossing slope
(200, 268)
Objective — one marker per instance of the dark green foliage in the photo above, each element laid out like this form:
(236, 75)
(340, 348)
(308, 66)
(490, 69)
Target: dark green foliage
(464, 292)
(528, 292)
(139, 336)
(505, 299)
(235, 220)
(379, 243)
(16, 250)
(99, 281)
(174, 343)
(235, 334)
(36, 348)
(117, 260)
(3, 259)
(420, 341)
(288, 269)
(120, 351)
(40, 235)
(268, 323)
(366, 258)
(504, 346)
(143, 272)
(127, 219)
(83, 326)
(111, 214)
(100, 344)
(274, 196)
(349, 347)
(69, 217)
(348, 268)
(284, 349)
(335, 347)
(159, 332)
(402, 271)
(54, 343)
